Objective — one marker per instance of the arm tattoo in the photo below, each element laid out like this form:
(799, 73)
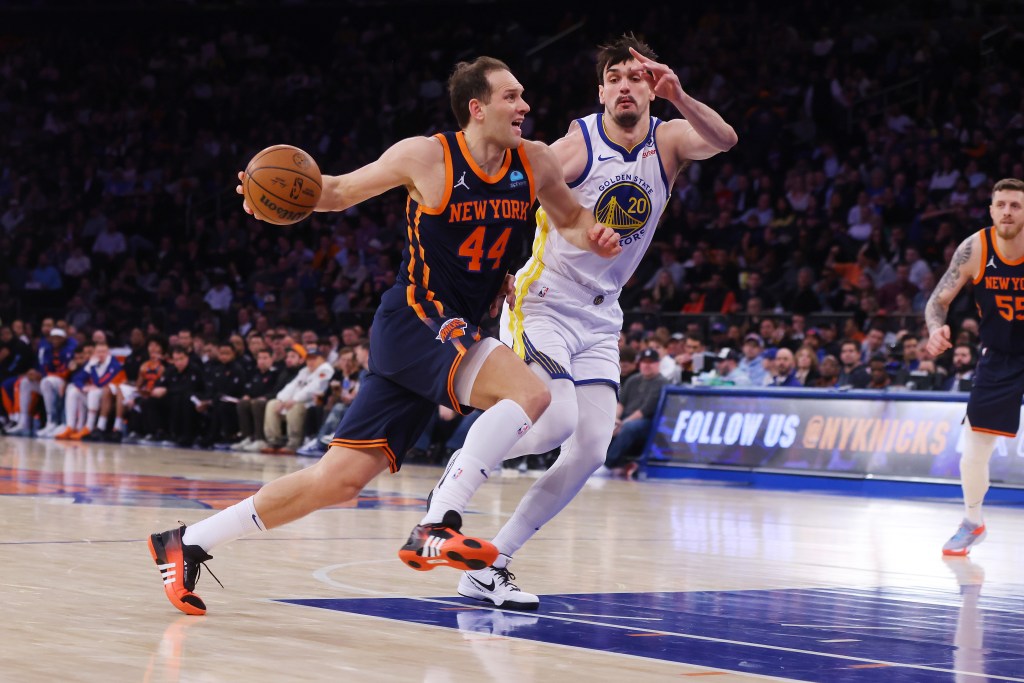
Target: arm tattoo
(935, 311)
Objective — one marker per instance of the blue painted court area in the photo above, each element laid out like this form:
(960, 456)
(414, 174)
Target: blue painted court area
(826, 634)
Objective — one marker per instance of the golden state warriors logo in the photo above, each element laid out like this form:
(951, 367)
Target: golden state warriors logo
(624, 205)
(450, 329)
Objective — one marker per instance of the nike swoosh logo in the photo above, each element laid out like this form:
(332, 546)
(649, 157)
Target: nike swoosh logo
(601, 158)
(483, 585)
(256, 522)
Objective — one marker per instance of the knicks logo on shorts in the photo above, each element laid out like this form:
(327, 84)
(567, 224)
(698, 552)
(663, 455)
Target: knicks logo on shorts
(625, 206)
(451, 329)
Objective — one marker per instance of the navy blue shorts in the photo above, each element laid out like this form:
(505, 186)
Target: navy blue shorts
(414, 354)
(994, 405)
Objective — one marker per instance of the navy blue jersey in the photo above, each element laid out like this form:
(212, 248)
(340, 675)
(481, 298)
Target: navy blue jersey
(999, 295)
(457, 253)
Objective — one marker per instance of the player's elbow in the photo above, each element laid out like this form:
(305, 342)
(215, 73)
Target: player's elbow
(729, 139)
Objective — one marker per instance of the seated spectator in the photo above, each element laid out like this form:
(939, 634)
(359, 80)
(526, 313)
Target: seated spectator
(879, 373)
(134, 397)
(806, 365)
(16, 359)
(343, 387)
(828, 373)
(751, 363)
(84, 399)
(178, 392)
(638, 400)
(261, 383)
(785, 369)
(58, 356)
(726, 371)
(291, 403)
(964, 364)
(852, 372)
(224, 386)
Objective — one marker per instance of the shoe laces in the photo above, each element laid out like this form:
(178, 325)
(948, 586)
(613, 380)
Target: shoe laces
(506, 577)
(196, 564)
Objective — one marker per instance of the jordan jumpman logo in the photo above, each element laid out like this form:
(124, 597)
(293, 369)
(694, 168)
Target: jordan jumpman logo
(462, 181)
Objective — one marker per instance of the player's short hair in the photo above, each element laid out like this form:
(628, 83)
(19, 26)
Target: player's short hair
(1011, 184)
(469, 82)
(617, 52)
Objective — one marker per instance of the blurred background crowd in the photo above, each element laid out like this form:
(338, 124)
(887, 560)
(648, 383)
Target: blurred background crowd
(869, 136)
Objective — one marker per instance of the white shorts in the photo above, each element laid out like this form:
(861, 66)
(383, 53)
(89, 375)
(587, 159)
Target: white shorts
(568, 329)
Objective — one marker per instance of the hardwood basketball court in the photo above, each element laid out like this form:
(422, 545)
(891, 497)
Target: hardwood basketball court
(639, 581)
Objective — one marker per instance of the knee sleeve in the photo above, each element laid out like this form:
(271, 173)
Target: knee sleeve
(557, 423)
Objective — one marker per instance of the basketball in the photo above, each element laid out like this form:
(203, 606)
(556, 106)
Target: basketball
(282, 184)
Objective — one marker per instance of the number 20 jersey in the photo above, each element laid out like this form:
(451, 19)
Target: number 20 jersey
(627, 189)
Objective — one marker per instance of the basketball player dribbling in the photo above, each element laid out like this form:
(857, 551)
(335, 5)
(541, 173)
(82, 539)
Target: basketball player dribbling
(469, 197)
(566, 318)
(993, 260)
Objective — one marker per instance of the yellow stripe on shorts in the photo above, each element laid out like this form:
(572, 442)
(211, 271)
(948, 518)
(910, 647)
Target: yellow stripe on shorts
(515, 322)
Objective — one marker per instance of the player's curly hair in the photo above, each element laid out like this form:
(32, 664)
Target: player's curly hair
(469, 82)
(617, 52)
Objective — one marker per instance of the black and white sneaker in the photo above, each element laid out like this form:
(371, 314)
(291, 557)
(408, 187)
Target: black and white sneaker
(495, 585)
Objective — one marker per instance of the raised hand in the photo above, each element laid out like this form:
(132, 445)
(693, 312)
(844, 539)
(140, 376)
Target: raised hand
(662, 79)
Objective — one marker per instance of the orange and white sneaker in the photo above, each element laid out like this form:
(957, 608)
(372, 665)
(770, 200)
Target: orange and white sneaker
(435, 545)
(179, 566)
(966, 537)
(80, 434)
(64, 434)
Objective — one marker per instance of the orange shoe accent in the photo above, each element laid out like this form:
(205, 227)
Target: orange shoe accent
(64, 434)
(78, 435)
(179, 576)
(435, 545)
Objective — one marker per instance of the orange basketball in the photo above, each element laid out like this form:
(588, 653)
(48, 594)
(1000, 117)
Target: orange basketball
(282, 184)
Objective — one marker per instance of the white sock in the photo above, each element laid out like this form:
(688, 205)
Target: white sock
(489, 440)
(101, 423)
(229, 524)
(118, 424)
(974, 475)
(90, 420)
(581, 456)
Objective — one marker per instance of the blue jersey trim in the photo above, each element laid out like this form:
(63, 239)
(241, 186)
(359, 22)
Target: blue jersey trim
(627, 155)
(655, 122)
(590, 154)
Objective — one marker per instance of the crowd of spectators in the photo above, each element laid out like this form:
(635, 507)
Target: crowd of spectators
(867, 152)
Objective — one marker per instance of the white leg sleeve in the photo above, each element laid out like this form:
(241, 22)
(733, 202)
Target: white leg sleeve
(557, 423)
(581, 456)
(974, 477)
(51, 388)
(489, 440)
(74, 407)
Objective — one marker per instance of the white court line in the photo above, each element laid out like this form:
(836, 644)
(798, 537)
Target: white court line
(608, 616)
(322, 575)
(845, 626)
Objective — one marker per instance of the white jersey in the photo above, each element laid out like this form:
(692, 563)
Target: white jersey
(567, 316)
(627, 190)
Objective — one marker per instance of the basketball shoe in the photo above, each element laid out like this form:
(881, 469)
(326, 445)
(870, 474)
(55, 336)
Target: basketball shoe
(179, 566)
(433, 545)
(495, 585)
(966, 537)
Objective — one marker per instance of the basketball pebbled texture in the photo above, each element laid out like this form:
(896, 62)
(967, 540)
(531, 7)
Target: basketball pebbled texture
(282, 184)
